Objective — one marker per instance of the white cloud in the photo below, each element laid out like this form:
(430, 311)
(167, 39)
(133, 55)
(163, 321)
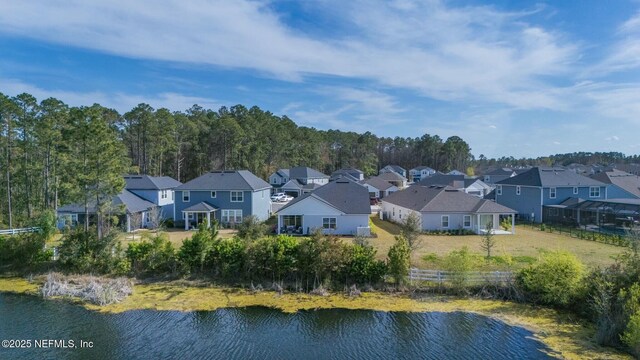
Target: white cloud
(120, 101)
(472, 53)
(612, 138)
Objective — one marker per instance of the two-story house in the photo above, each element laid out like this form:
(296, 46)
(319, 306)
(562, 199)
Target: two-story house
(623, 184)
(227, 196)
(529, 191)
(420, 172)
(347, 173)
(297, 180)
(499, 174)
(393, 168)
(155, 189)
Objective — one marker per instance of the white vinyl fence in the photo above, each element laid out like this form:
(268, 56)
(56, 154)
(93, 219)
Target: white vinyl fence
(471, 277)
(19, 231)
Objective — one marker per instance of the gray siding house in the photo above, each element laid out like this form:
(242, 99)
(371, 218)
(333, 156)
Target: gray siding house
(420, 172)
(155, 189)
(227, 196)
(499, 174)
(131, 210)
(623, 184)
(340, 207)
(445, 208)
(393, 168)
(292, 181)
(347, 173)
(529, 191)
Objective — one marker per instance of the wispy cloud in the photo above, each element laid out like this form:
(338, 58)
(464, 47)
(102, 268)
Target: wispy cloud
(119, 100)
(446, 53)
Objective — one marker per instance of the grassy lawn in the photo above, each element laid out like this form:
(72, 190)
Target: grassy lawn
(524, 246)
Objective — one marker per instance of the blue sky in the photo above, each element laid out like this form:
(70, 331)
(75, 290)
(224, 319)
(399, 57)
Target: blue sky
(511, 78)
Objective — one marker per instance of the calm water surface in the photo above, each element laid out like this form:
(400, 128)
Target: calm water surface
(258, 333)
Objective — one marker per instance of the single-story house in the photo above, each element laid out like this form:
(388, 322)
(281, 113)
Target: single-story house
(469, 185)
(227, 196)
(378, 188)
(445, 208)
(132, 211)
(340, 207)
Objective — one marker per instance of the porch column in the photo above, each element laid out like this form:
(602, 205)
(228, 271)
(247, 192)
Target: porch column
(186, 220)
(513, 223)
(128, 223)
(208, 219)
(279, 225)
(477, 223)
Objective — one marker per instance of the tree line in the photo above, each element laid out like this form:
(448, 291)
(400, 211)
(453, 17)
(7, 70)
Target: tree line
(53, 154)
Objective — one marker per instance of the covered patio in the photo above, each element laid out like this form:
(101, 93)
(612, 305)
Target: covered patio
(197, 214)
(482, 220)
(607, 216)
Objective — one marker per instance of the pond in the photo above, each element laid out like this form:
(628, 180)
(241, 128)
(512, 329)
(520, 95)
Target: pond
(255, 332)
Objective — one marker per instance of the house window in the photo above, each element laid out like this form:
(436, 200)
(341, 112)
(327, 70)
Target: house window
(575, 191)
(237, 196)
(231, 216)
(594, 191)
(400, 213)
(186, 196)
(213, 194)
(445, 221)
(552, 193)
(163, 194)
(499, 190)
(394, 212)
(466, 221)
(329, 223)
(487, 178)
(518, 190)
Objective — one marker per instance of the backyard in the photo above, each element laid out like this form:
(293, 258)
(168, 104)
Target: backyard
(523, 247)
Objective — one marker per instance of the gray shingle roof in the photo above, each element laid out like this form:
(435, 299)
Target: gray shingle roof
(378, 183)
(397, 168)
(501, 172)
(391, 176)
(201, 207)
(303, 172)
(131, 202)
(420, 168)
(442, 179)
(349, 173)
(226, 180)
(622, 179)
(146, 182)
(346, 196)
(549, 177)
(443, 199)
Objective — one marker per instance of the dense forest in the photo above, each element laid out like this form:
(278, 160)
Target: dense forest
(53, 154)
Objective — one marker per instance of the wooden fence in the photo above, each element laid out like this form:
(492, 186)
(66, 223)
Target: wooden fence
(471, 277)
(19, 231)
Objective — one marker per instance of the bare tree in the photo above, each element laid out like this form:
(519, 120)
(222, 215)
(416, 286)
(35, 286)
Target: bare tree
(488, 241)
(154, 218)
(135, 221)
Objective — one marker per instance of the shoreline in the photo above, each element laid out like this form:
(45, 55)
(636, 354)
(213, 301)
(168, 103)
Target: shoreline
(566, 335)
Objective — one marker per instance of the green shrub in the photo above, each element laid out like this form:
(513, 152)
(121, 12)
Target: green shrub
(83, 252)
(556, 279)
(23, 251)
(194, 251)
(152, 256)
(362, 266)
(459, 263)
(251, 228)
(399, 260)
(273, 257)
(227, 257)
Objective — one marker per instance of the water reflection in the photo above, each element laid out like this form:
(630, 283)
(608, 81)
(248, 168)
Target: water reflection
(259, 333)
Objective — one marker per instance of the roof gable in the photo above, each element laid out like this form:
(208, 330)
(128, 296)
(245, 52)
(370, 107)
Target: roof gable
(226, 180)
(146, 182)
(550, 177)
(344, 195)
